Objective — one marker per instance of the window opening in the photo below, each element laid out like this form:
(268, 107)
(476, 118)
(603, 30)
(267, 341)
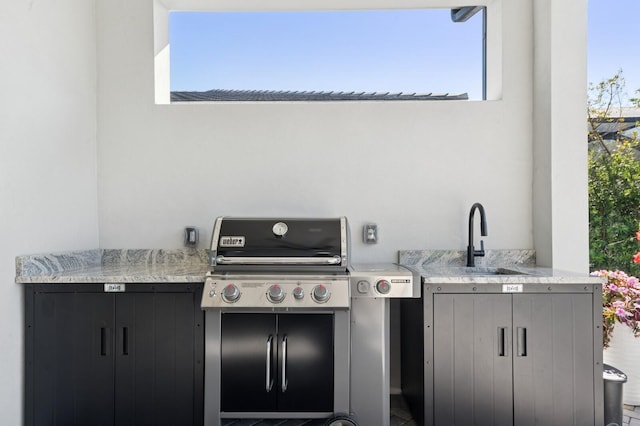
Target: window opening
(397, 54)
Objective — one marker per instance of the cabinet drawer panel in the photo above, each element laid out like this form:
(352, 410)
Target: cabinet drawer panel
(472, 377)
(73, 359)
(155, 335)
(553, 370)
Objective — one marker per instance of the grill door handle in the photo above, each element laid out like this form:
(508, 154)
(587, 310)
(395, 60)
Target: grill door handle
(334, 260)
(269, 380)
(284, 364)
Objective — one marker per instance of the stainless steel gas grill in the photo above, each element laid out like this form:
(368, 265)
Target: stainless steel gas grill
(277, 303)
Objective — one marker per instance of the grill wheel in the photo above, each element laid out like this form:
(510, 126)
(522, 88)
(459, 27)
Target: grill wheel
(341, 421)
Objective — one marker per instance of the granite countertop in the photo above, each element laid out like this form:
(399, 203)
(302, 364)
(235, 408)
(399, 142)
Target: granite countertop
(496, 267)
(191, 265)
(114, 266)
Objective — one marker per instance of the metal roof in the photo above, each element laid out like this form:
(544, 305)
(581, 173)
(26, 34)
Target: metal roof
(621, 123)
(218, 95)
(614, 127)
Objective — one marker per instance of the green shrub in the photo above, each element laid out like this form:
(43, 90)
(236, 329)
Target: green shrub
(614, 180)
(614, 207)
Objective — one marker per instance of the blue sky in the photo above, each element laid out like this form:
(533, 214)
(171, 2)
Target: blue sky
(613, 41)
(393, 50)
(393, 58)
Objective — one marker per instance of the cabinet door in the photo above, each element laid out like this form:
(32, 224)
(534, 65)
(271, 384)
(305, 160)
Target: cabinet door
(472, 360)
(155, 359)
(305, 362)
(553, 361)
(248, 362)
(73, 359)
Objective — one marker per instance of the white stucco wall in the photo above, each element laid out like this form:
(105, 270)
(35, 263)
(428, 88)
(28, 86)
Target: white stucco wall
(414, 168)
(47, 157)
(561, 216)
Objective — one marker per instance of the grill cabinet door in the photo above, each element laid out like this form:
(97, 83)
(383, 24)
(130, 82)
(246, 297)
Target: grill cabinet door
(248, 344)
(299, 351)
(72, 359)
(307, 362)
(472, 360)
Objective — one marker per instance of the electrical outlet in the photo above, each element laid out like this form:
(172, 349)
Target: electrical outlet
(191, 236)
(370, 233)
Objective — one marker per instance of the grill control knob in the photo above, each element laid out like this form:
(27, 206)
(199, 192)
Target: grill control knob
(298, 293)
(383, 287)
(275, 293)
(321, 293)
(231, 293)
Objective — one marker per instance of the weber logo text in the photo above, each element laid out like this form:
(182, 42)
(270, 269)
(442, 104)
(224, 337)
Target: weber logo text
(232, 241)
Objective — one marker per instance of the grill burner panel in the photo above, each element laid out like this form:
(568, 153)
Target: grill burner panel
(282, 291)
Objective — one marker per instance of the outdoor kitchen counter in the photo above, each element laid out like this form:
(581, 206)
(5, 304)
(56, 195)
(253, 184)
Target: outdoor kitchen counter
(482, 336)
(114, 266)
(496, 267)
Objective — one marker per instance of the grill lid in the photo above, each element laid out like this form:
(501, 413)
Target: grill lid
(276, 243)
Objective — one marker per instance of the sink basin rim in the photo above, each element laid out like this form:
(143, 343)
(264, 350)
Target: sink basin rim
(491, 271)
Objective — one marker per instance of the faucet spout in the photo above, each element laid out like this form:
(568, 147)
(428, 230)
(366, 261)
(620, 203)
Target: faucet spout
(471, 251)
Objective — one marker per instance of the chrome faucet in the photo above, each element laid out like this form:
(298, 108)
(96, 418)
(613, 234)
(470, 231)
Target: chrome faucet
(471, 250)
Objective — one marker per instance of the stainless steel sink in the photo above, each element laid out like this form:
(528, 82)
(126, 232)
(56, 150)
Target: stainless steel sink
(478, 270)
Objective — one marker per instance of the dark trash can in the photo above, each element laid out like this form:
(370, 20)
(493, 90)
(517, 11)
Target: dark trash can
(614, 380)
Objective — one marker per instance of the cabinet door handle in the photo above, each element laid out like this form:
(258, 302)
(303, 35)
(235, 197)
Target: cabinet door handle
(502, 346)
(522, 341)
(105, 337)
(284, 364)
(269, 380)
(125, 340)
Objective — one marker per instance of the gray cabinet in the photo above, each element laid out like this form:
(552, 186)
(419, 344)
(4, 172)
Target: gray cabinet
(493, 358)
